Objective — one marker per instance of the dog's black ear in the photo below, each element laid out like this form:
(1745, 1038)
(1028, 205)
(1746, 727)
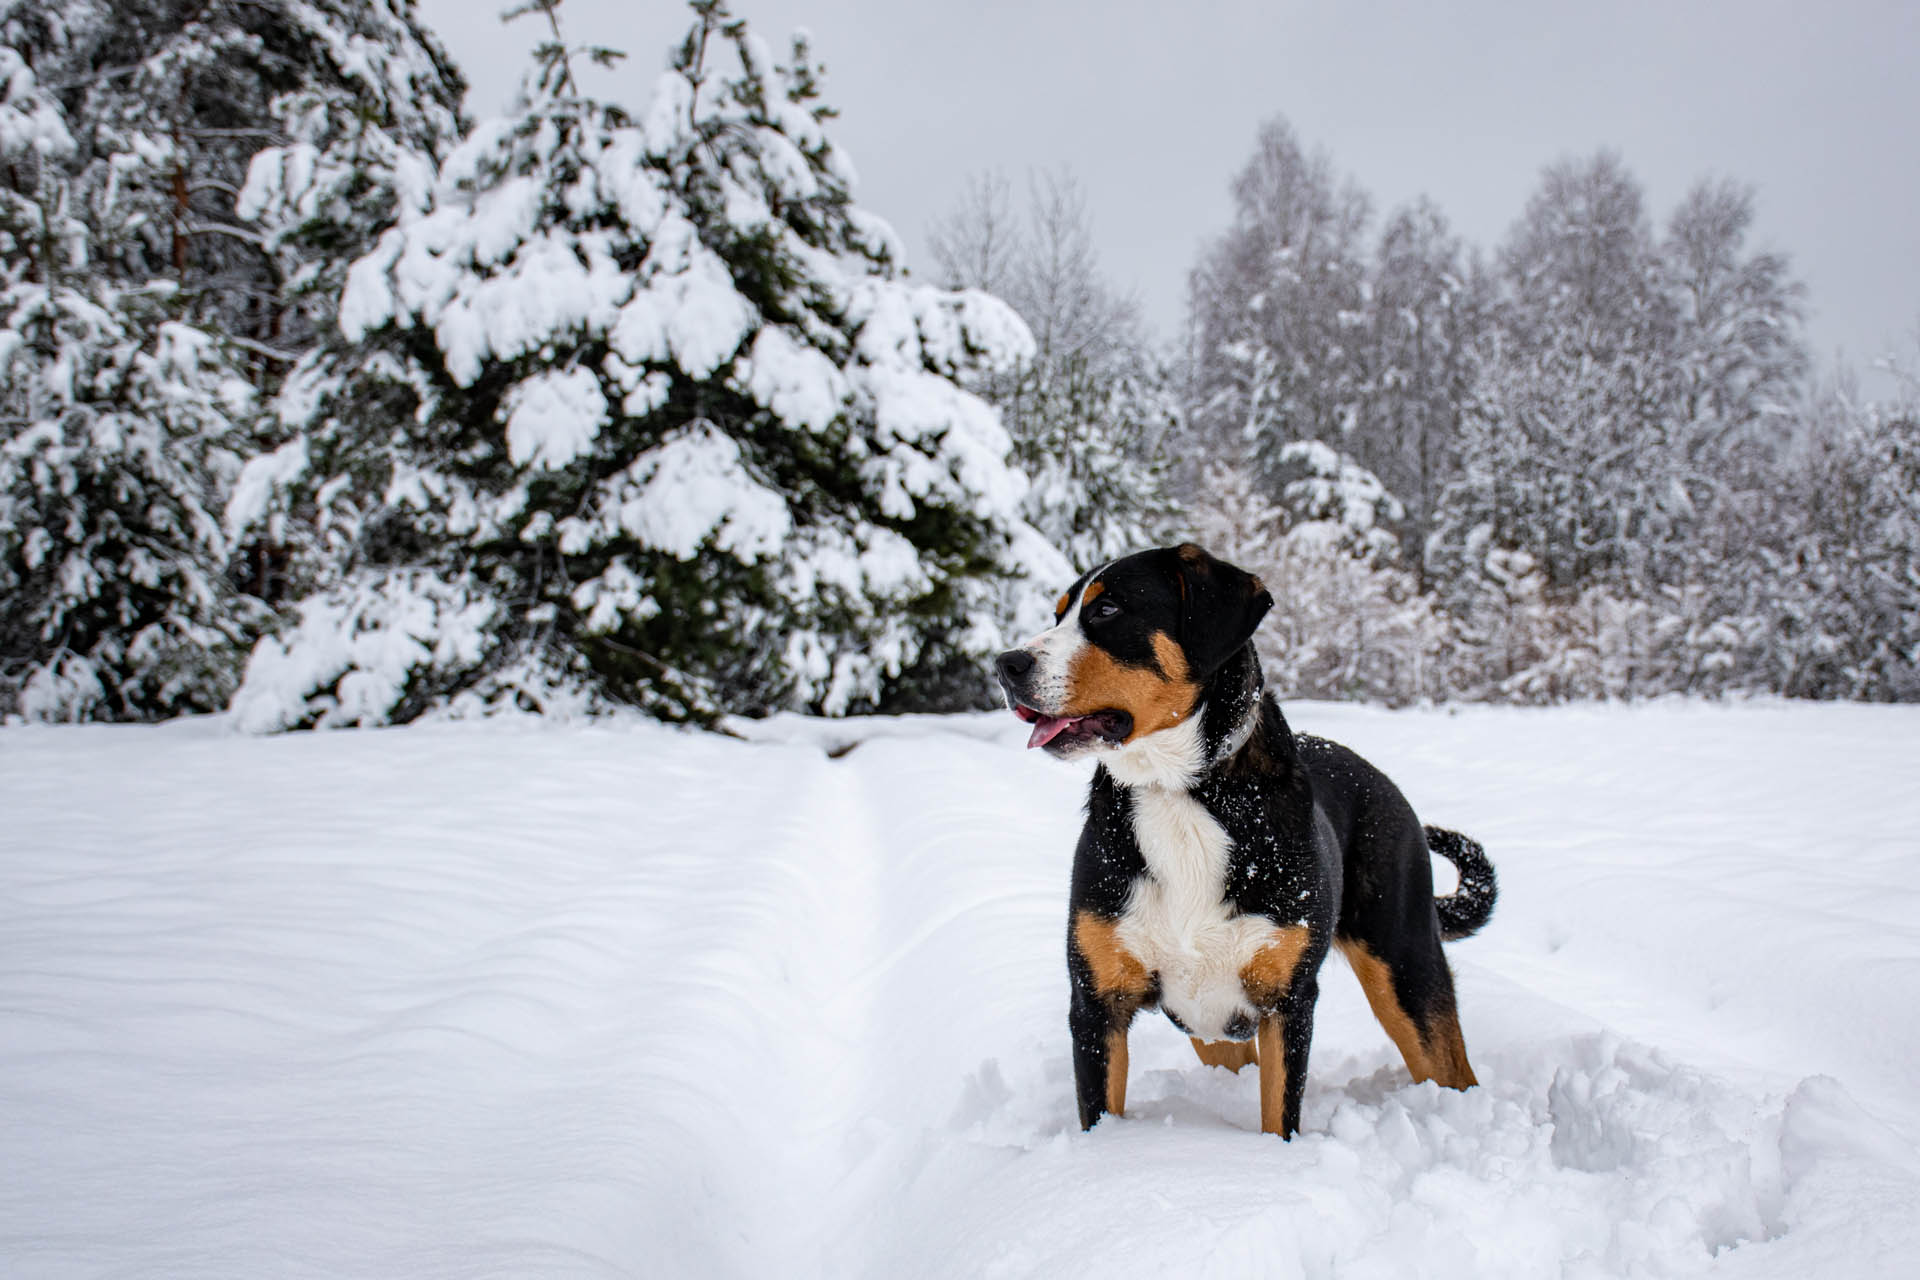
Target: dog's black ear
(1220, 608)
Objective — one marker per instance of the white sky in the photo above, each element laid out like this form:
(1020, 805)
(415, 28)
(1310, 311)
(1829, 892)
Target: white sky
(1154, 106)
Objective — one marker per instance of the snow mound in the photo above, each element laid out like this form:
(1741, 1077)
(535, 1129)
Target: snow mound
(1584, 1156)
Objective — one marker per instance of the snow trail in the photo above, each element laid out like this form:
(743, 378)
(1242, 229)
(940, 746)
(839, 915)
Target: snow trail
(499, 1000)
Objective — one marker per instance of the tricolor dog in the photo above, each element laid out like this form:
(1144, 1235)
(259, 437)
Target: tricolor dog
(1223, 854)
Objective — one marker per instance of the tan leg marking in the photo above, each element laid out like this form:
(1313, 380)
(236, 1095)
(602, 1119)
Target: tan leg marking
(1116, 970)
(1122, 981)
(1231, 1054)
(1271, 1039)
(1117, 1071)
(1442, 1056)
(1156, 700)
(1447, 1053)
(1266, 977)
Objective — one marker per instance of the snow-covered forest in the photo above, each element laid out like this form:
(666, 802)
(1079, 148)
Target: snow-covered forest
(329, 404)
(328, 401)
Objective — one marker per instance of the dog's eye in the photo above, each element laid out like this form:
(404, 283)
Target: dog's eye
(1102, 608)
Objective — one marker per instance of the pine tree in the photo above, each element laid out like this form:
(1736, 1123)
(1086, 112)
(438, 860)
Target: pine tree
(1835, 570)
(178, 96)
(643, 412)
(1277, 305)
(1737, 332)
(115, 435)
(115, 428)
(145, 318)
(1091, 448)
(1739, 362)
(1092, 408)
(1426, 307)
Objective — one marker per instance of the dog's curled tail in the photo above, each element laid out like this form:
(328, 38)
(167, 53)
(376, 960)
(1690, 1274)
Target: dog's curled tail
(1463, 911)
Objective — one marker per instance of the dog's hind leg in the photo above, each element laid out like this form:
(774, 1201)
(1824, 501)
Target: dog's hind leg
(1231, 1054)
(1412, 996)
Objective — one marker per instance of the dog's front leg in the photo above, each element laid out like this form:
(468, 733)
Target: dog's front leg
(1284, 1037)
(1110, 985)
(1099, 1056)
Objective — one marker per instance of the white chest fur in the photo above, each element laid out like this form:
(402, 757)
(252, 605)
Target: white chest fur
(1178, 921)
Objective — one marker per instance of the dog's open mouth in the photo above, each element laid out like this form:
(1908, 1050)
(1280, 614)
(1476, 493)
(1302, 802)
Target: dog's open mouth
(1057, 732)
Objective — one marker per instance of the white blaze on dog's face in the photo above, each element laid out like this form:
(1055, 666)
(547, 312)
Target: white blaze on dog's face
(1133, 642)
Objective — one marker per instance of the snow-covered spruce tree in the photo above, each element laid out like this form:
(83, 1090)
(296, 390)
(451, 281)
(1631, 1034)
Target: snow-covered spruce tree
(1094, 455)
(1091, 410)
(642, 412)
(367, 105)
(177, 96)
(263, 147)
(141, 314)
(115, 437)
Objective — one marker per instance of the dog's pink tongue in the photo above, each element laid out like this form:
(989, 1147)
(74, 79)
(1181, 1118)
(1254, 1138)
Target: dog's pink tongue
(1046, 729)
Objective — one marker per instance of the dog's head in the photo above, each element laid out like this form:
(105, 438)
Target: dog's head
(1131, 650)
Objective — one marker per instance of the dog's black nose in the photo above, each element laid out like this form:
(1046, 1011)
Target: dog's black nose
(1014, 665)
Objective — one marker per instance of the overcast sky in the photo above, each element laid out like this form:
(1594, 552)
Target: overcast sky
(1154, 106)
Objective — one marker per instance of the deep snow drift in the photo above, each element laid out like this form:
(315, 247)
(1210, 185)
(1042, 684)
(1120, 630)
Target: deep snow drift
(514, 1000)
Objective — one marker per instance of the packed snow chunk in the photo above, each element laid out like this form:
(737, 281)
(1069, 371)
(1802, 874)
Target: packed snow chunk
(618, 596)
(634, 188)
(797, 382)
(504, 218)
(356, 651)
(30, 121)
(1623, 1108)
(553, 418)
(1822, 1122)
(676, 497)
(669, 115)
(280, 180)
(260, 479)
(65, 689)
(707, 318)
(639, 333)
(543, 294)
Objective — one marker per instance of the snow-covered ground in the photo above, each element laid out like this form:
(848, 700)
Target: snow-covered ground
(508, 1000)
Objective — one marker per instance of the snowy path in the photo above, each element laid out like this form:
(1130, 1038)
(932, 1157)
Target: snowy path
(499, 1000)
